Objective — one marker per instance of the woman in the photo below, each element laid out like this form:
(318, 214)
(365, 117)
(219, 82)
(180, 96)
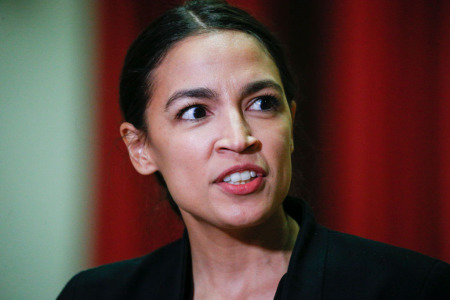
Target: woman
(207, 99)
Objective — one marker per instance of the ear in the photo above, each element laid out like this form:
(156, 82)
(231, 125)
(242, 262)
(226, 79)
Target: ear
(293, 109)
(138, 149)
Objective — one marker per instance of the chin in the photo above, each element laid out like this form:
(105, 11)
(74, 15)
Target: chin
(238, 217)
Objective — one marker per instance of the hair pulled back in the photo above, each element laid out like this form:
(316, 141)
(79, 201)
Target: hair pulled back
(193, 18)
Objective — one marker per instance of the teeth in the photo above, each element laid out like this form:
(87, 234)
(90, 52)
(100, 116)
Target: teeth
(245, 175)
(236, 177)
(240, 177)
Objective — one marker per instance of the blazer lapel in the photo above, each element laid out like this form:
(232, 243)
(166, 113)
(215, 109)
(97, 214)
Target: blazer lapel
(305, 275)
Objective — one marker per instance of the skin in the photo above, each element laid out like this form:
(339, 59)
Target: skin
(240, 244)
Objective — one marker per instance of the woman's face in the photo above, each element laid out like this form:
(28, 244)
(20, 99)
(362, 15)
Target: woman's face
(220, 130)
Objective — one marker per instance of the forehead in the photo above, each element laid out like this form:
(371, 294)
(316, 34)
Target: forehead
(214, 58)
(214, 45)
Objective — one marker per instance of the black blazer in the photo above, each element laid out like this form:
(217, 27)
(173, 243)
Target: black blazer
(325, 264)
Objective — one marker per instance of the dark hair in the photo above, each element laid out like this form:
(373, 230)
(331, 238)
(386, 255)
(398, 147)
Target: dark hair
(193, 18)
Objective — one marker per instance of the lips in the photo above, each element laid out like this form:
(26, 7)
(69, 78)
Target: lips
(241, 168)
(241, 179)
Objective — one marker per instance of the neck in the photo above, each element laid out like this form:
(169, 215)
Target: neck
(245, 260)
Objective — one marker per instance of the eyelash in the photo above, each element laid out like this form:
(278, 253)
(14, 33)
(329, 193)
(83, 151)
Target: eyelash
(187, 107)
(273, 99)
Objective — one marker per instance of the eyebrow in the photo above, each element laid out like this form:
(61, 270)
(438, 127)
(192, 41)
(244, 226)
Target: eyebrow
(191, 93)
(256, 86)
(207, 93)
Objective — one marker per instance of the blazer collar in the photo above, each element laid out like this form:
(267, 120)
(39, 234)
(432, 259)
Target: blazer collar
(305, 275)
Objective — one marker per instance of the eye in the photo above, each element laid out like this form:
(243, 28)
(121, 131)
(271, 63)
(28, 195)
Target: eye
(264, 103)
(193, 112)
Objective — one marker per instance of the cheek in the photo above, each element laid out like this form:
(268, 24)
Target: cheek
(279, 139)
(181, 156)
(189, 147)
(278, 150)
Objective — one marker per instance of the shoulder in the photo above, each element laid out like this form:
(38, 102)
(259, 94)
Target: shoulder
(367, 265)
(117, 280)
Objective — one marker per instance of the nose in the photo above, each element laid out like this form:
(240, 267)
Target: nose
(235, 134)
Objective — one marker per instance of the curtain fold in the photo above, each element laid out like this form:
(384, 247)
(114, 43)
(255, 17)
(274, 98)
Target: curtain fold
(386, 136)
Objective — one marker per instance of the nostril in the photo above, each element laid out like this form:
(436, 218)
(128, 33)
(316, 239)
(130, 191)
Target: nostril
(236, 135)
(249, 144)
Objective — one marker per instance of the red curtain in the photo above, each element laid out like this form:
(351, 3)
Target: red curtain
(375, 76)
(384, 122)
